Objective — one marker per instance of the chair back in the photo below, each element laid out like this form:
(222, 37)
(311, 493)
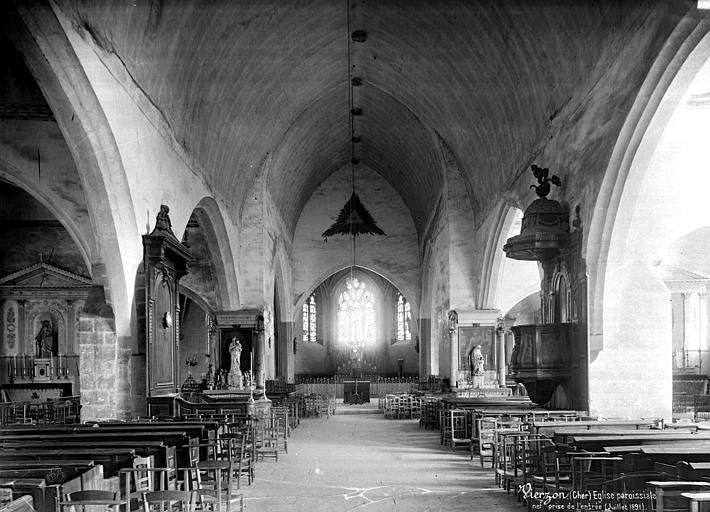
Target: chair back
(92, 498)
(168, 501)
(91, 494)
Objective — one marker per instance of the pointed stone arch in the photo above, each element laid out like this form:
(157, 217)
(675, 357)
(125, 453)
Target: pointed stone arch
(653, 192)
(219, 242)
(43, 43)
(86, 247)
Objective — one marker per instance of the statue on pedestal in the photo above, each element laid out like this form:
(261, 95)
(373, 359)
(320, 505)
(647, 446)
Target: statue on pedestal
(235, 373)
(477, 363)
(44, 340)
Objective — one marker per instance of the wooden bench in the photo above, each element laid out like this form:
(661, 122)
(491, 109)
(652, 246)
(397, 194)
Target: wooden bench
(565, 435)
(699, 501)
(111, 459)
(598, 442)
(669, 493)
(548, 427)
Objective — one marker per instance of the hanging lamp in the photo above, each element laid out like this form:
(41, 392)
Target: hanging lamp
(354, 219)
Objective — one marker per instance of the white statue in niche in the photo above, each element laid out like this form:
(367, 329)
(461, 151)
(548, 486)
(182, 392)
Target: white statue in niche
(235, 373)
(477, 362)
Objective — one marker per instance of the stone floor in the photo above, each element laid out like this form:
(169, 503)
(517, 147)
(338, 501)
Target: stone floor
(369, 463)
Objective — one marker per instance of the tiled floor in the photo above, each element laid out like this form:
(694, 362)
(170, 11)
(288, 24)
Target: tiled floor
(365, 462)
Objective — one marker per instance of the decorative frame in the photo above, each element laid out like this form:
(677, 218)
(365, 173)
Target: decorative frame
(469, 337)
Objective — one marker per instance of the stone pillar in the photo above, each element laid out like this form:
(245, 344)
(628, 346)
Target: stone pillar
(453, 349)
(500, 353)
(22, 342)
(260, 353)
(70, 341)
(97, 367)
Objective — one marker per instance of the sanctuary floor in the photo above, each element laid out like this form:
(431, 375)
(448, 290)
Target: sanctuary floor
(369, 463)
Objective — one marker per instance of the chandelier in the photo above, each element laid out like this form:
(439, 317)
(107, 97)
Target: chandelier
(353, 219)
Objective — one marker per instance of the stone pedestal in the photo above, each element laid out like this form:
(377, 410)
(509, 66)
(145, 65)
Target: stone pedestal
(235, 380)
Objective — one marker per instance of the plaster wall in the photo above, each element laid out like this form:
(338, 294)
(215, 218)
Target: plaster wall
(394, 256)
(193, 343)
(436, 274)
(264, 245)
(462, 235)
(31, 233)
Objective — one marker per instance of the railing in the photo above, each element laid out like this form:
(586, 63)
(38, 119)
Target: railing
(379, 387)
(697, 360)
(59, 411)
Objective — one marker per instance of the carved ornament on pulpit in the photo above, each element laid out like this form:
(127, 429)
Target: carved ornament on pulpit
(545, 227)
(544, 355)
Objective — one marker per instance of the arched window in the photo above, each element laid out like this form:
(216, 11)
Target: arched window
(356, 314)
(309, 319)
(404, 318)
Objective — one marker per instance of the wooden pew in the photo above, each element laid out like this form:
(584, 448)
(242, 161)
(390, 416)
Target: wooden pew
(112, 458)
(54, 472)
(21, 504)
(548, 427)
(162, 444)
(598, 442)
(34, 487)
(202, 430)
(647, 457)
(565, 435)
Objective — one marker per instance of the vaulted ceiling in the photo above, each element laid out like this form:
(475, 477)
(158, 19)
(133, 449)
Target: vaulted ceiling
(260, 85)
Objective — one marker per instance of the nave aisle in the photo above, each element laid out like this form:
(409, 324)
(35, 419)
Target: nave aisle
(367, 463)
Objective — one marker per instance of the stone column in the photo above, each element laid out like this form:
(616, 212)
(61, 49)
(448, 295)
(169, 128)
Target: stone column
(453, 349)
(259, 353)
(70, 341)
(500, 352)
(22, 342)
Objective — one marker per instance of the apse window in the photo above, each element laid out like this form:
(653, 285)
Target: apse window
(404, 318)
(356, 314)
(309, 319)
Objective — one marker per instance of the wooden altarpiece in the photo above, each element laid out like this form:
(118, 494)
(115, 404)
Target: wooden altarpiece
(165, 261)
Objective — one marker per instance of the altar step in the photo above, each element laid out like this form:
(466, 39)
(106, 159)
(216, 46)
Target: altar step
(345, 409)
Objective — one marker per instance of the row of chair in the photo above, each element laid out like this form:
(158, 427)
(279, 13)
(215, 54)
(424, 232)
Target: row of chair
(315, 405)
(535, 468)
(216, 468)
(402, 406)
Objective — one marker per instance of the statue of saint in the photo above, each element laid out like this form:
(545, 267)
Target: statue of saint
(477, 363)
(235, 351)
(162, 221)
(44, 340)
(235, 373)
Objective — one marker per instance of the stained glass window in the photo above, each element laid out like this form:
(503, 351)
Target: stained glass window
(309, 319)
(356, 314)
(404, 318)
